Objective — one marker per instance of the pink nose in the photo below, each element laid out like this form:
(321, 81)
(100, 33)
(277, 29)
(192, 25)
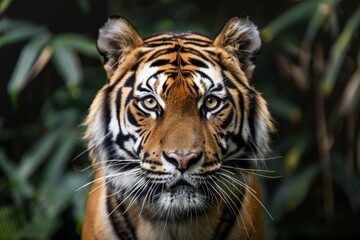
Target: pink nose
(183, 161)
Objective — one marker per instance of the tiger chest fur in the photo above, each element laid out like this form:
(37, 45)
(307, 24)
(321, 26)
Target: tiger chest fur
(176, 136)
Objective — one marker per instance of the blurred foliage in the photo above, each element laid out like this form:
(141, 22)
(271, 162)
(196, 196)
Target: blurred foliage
(309, 72)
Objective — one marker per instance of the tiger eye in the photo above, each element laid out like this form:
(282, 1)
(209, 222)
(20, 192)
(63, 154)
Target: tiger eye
(211, 103)
(149, 102)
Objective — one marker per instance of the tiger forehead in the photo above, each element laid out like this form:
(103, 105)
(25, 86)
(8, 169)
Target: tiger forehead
(179, 50)
(181, 37)
(179, 64)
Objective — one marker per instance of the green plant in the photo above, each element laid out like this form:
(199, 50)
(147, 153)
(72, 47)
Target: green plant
(320, 99)
(40, 185)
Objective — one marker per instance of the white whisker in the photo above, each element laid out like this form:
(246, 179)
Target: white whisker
(252, 159)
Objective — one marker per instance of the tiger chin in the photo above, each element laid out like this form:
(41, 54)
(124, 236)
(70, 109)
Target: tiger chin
(177, 135)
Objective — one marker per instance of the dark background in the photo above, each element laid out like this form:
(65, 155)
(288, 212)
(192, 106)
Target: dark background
(308, 71)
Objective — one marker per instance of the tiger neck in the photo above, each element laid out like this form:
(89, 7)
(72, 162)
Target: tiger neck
(132, 223)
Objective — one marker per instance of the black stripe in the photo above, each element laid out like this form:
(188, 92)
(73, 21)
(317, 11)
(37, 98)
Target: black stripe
(251, 144)
(121, 139)
(131, 118)
(198, 63)
(242, 111)
(228, 120)
(160, 62)
(198, 44)
(197, 53)
(118, 104)
(158, 44)
(204, 75)
(119, 219)
(106, 120)
(227, 221)
(130, 81)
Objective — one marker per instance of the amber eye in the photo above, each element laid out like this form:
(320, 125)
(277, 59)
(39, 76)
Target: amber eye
(211, 102)
(149, 102)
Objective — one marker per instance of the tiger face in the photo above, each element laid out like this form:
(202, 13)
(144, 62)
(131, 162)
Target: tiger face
(179, 126)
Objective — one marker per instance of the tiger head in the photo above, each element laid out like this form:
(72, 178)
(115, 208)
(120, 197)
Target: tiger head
(179, 127)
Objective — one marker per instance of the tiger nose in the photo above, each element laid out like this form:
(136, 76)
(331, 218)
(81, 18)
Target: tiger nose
(182, 161)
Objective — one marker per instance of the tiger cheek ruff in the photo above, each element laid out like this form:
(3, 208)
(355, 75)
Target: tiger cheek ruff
(177, 135)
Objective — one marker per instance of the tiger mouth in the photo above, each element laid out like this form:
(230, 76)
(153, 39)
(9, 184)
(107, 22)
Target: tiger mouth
(181, 186)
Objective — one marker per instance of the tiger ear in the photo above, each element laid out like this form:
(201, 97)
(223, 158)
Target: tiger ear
(241, 38)
(116, 38)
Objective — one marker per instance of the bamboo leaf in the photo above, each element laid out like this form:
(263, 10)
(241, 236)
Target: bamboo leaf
(11, 220)
(348, 182)
(286, 109)
(4, 4)
(23, 66)
(325, 9)
(61, 157)
(293, 156)
(303, 10)
(293, 192)
(338, 52)
(19, 34)
(58, 196)
(67, 63)
(36, 154)
(80, 44)
(6, 165)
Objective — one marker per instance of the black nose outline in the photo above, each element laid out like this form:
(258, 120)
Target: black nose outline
(189, 163)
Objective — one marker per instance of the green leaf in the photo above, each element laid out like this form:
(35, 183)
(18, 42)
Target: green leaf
(293, 191)
(80, 44)
(41, 226)
(19, 34)
(23, 66)
(9, 24)
(349, 183)
(62, 156)
(7, 167)
(67, 63)
(52, 202)
(338, 52)
(4, 4)
(79, 199)
(59, 196)
(325, 9)
(11, 221)
(36, 154)
(285, 109)
(293, 157)
(303, 10)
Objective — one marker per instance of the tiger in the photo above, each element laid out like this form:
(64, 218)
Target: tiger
(176, 135)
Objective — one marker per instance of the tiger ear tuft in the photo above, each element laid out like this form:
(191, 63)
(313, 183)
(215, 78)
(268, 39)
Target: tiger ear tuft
(241, 38)
(116, 38)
